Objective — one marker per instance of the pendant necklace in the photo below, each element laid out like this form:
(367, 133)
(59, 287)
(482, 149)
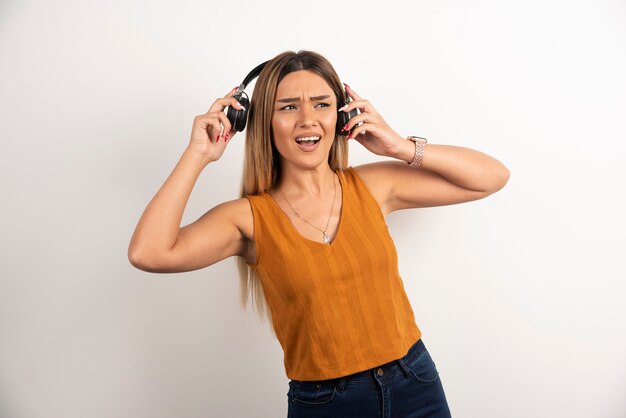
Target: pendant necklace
(323, 231)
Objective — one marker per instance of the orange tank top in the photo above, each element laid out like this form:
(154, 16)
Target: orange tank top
(337, 308)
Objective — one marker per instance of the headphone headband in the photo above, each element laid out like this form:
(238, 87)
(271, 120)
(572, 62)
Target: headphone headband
(254, 73)
(239, 117)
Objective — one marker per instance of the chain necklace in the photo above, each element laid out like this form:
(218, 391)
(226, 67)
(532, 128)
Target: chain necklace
(323, 231)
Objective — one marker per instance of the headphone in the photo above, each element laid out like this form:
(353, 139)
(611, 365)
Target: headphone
(239, 117)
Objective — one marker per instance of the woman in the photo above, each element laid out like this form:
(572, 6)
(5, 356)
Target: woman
(311, 235)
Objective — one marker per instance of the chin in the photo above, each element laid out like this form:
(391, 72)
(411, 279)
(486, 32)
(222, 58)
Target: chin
(308, 162)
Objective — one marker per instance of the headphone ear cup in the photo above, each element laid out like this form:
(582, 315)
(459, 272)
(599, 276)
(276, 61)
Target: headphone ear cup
(237, 117)
(343, 118)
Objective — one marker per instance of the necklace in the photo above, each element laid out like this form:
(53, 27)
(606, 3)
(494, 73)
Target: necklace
(323, 231)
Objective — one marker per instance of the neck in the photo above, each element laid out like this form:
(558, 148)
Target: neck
(315, 182)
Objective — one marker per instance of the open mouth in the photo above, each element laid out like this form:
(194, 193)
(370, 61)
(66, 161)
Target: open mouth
(308, 139)
(308, 142)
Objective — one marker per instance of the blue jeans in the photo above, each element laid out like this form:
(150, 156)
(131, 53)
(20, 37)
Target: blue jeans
(408, 387)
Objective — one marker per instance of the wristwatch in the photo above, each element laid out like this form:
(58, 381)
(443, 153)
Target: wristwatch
(419, 150)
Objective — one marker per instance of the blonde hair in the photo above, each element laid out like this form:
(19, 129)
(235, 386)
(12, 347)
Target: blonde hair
(262, 169)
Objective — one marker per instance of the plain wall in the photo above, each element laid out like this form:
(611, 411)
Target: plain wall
(520, 296)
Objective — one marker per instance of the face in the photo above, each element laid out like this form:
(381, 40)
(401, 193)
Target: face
(304, 119)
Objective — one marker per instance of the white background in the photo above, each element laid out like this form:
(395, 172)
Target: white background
(520, 296)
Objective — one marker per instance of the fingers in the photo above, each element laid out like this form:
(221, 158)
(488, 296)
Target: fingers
(351, 92)
(216, 119)
(361, 129)
(362, 105)
(356, 120)
(232, 92)
(206, 126)
(220, 104)
(368, 114)
(226, 131)
(228, 100)
(357, 102)
(216, 125)
(219, 126)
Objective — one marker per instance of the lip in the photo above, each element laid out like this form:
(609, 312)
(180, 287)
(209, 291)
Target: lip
(309, 148)
(305, 134)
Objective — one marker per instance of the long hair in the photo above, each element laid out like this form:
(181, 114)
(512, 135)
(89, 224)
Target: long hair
(262, 168)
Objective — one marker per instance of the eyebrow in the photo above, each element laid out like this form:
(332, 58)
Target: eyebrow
(297, 99)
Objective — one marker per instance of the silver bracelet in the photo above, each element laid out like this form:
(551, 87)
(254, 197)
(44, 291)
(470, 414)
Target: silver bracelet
(419, 150)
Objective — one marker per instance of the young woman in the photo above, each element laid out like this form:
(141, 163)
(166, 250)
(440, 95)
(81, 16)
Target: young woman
(311, 237)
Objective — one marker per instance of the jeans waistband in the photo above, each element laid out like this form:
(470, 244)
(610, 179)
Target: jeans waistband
(388, 370)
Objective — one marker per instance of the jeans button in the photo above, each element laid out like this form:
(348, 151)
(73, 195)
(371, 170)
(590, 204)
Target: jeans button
(380, 371)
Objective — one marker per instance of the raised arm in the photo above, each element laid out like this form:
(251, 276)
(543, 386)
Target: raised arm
(158, 243)
(447, 175)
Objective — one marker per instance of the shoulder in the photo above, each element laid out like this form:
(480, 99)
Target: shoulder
(379, 178)
(237, 206)
(239, 212)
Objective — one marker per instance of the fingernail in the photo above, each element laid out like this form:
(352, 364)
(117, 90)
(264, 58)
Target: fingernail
(344, 127)
(343, 108)
(347, 86)
(241, 106)
(227, 136)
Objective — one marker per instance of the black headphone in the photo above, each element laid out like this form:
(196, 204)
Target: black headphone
(238, 117)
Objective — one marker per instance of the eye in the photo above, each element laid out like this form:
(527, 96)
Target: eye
(290, 107)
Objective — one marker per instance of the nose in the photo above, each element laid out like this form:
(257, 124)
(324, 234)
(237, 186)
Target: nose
(307, 116)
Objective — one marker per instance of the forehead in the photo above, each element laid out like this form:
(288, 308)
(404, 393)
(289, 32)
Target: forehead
(302, 83)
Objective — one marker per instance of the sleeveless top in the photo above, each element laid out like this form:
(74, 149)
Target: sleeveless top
(337, 308)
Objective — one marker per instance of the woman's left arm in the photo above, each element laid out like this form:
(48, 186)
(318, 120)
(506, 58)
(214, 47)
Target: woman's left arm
(447, 175)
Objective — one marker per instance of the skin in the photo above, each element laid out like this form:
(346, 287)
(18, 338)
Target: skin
(294, 118)
(308, 182)
(448, 175)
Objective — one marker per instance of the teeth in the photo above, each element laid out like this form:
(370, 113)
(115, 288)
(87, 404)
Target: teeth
(308, 139)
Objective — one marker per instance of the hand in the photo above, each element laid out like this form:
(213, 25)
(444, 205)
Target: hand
(211, 131)
(373, 132)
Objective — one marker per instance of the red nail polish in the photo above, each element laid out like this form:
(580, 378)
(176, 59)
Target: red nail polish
(344, 127)
(227, 136)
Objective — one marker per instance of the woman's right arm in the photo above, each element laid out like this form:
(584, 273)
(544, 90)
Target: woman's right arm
(158, 243)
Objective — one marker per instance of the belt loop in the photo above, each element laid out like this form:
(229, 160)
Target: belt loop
(341, 383)
(403, 367)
